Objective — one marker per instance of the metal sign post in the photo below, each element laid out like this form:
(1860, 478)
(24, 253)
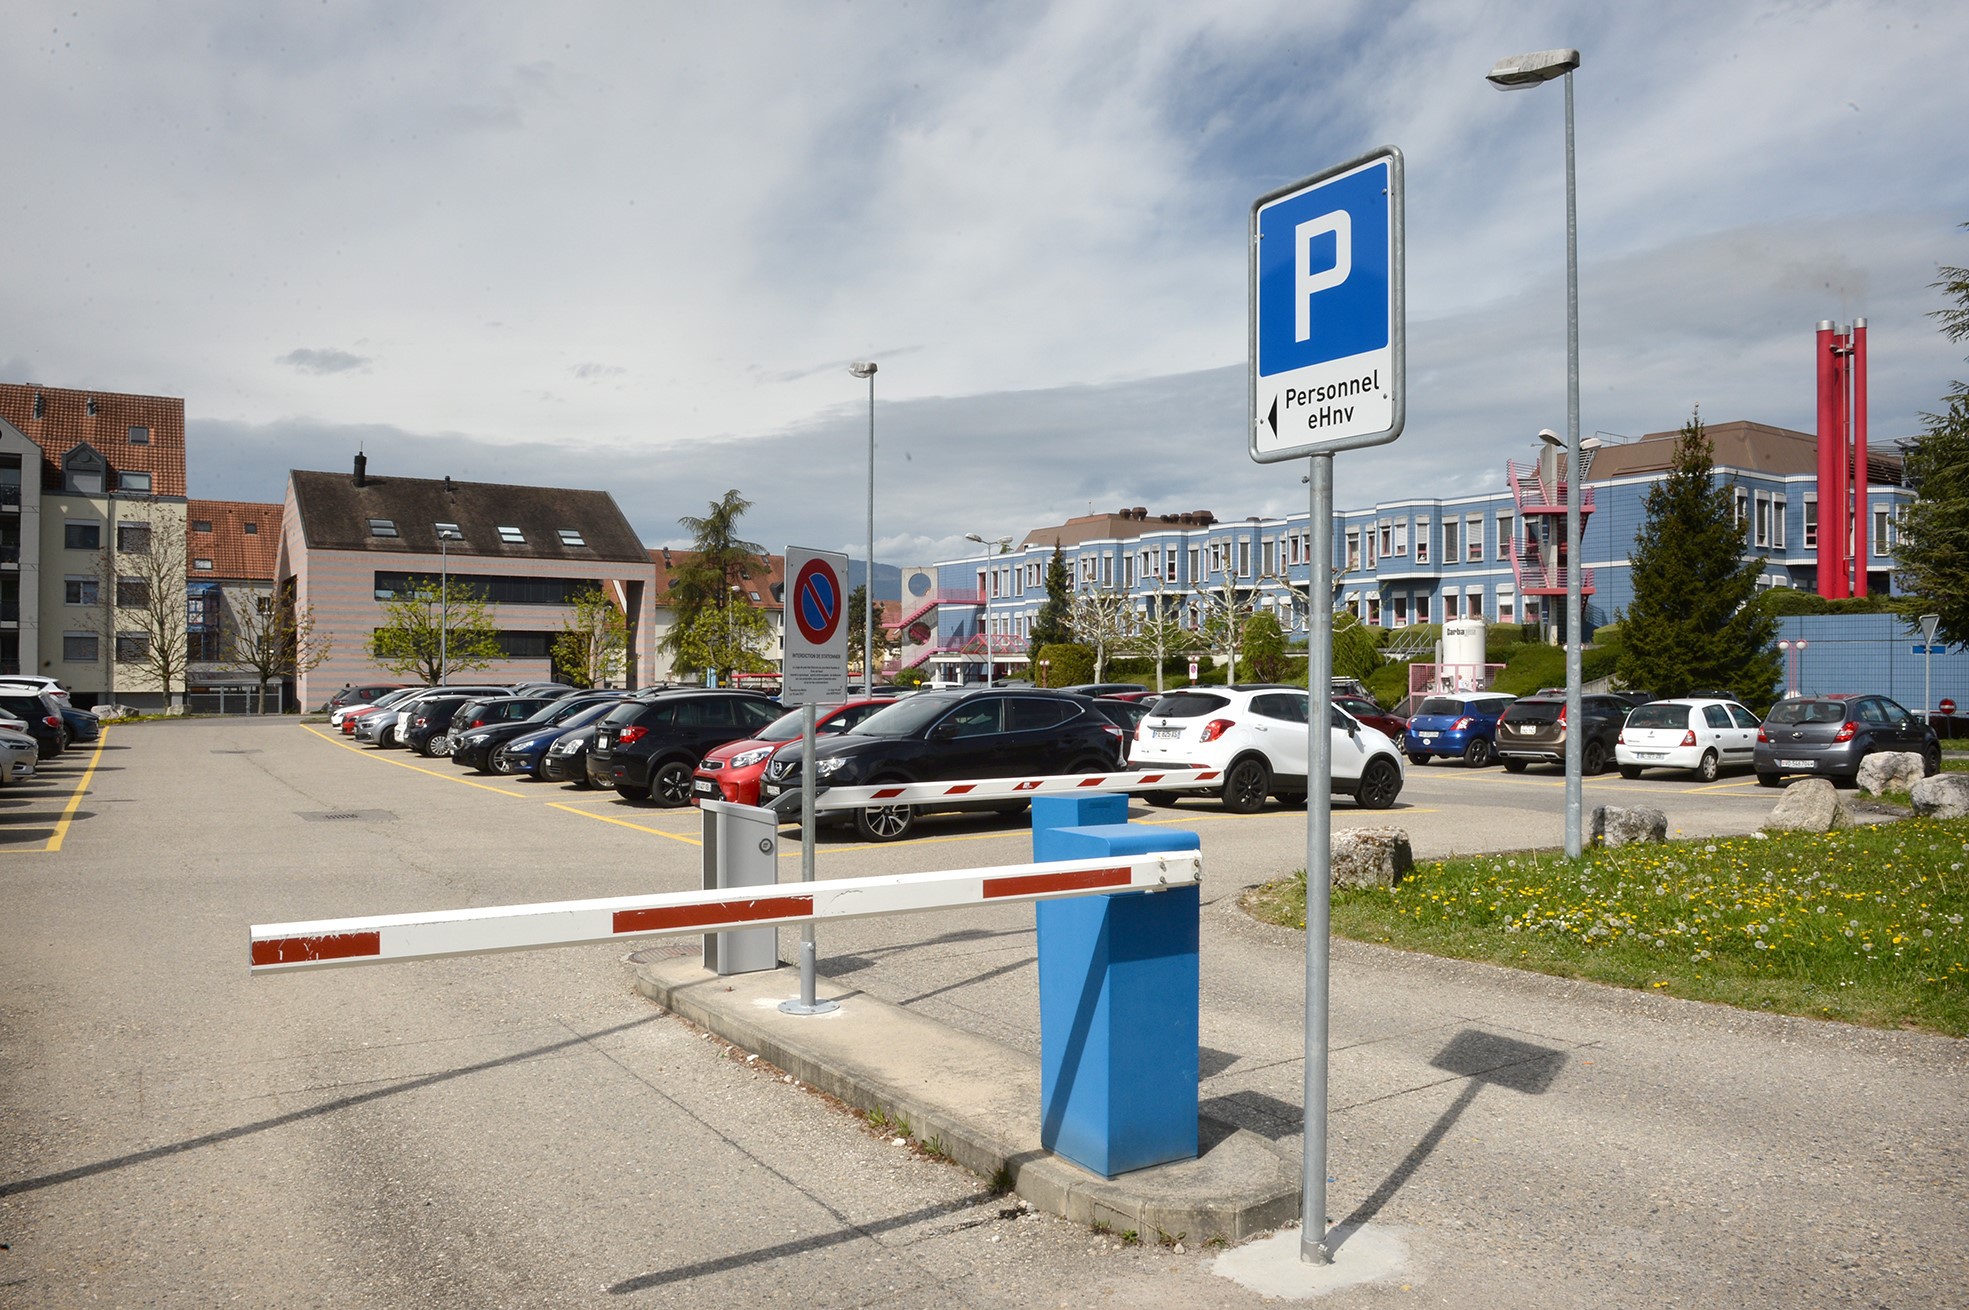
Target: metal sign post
(1328, 354)
(816, 669)
(1929, 622)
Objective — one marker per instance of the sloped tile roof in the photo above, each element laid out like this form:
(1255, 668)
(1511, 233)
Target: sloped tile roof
(770, 586)
(236, 554)
(335, 515)
(66, 422)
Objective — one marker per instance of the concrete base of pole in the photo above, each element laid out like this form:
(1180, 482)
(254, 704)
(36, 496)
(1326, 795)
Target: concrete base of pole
(1271, 1266)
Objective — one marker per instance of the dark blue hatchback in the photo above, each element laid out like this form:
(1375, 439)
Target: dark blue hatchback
(1459, 725)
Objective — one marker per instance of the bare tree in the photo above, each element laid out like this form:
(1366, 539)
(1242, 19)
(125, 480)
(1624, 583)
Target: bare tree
(1103, 620)
(143, 581)
(1160, 632)
(268, 637)
(1222, 608)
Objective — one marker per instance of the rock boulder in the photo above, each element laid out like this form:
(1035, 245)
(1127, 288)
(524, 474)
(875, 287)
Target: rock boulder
(1886, 771)
(1810, 805)
(1371, 857)
(1944, 796)
(1627, 825)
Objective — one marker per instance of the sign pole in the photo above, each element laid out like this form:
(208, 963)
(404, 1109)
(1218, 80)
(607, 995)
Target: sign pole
(816, 669)
(1929, 622)
(1319, 858)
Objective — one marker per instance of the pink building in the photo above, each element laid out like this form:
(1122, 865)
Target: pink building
(349, 542)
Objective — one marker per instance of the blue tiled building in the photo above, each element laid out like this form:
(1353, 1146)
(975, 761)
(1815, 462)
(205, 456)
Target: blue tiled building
(1401, 562)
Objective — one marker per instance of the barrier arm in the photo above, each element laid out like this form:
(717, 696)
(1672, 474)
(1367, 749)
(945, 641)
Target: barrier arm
(826, 799)
(380, 939)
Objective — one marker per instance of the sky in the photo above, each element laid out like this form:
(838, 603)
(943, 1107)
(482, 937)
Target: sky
(635, 246)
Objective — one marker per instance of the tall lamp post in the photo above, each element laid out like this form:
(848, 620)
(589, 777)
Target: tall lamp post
(445, 534)
(1003, 544)
(1516, 74)
(866, 369)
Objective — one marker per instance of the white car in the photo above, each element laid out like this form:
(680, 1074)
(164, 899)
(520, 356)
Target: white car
(1258, 737)
(39, 683)
(1700, 735)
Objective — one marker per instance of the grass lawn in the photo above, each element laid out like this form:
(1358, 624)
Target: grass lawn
(1864, 924)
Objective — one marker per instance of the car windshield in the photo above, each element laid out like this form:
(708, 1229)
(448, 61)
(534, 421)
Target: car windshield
(1441, 705)
(1659, 715)
(1536, 711)
(392, 697)
(1808, 711)
(1188, 704)
(784, 728)
(906, 717)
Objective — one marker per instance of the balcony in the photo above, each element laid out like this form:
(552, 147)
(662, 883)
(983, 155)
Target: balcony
(10, 496)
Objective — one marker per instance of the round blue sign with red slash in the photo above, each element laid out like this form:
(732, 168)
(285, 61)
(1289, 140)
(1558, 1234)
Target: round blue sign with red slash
(817, 601)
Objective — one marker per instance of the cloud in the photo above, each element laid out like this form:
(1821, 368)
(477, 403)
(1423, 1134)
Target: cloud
(323, 362)
(597, 372)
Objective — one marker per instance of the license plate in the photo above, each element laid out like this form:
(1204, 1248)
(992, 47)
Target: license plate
(1426, 736)
(1795, 764)
(1650, 755)
(705, 787)
(1526, 729)
(1165, 732)
(770, 789)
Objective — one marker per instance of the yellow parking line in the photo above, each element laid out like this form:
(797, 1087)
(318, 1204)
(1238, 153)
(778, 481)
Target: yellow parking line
(624, 823)
(415, 768)
(75, 801)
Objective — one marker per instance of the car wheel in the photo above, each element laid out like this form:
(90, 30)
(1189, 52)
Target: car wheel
(670, 785)
(1708, 766)
(1293, 800)
(1770, 780)
(1931, 760)
(1163, 798)
(1630, 771)
(1417, 758)
(1246, 786)
(1515, 766)
(443, 744)
(1381, 782)
(1593, 759)
(1477, 753)
(885, 822)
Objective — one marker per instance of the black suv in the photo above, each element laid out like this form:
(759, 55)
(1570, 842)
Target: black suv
(937, 736)
(649, 749)
(426, 726)
(42, 714)
(1532, 730)
(483, 724)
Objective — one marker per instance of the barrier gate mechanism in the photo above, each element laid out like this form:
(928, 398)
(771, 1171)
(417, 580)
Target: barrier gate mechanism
(999, 789)
(377, 939)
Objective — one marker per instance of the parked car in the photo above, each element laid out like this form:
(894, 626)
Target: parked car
(567, 759)
(1705, 735)
(40, 711)
(946, 736)
(426, 726)
(1828, 736)
(525, 752)
(18, 752)
(35, 680)
(483, 727)
(1455, 725)
(1258, 736)
(1532, 730)
(732, 771)
(1126, 716)
(1369, 711)
(384, 726)
(365, 694)
(80, 725)
(649, 749)
(1101, 688)
(343, 719)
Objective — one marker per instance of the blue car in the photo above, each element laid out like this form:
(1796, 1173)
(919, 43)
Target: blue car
(81, 725)
(522, 754)
(1455, 725)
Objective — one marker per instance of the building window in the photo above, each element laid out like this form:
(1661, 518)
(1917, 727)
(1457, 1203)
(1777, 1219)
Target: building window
(1740, 503)
(1422, 540)
(1401, 610)
(448, 532)
(571, 537)
(81, 591)
(133, 538)
(1811, 521)
(82, 536)
(128, 481)
(1504, 522)
(139, 435)
(131, 647)
(1761, 528)
(1883, 542)
(1401, 536)
(79, 647)
(512, 536)
(1505, 600)
(382, 527)
(201, 525)
(1452, 540)
(202, 565)
(132, 593)
(1421, 609)
(1473, 602)
(1779, 507)
(1473, 531)
(1194, 575)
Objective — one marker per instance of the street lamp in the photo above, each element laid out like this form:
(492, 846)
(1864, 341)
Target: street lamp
(1516, 74)
(1045, 673)
(866, 369)
(446, 533)
(984, 635)
(1793, 653)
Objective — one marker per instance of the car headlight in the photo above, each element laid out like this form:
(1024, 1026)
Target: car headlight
(564, 748)
(828, 768)
(746, 759)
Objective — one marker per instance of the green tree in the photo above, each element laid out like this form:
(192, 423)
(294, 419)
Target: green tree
(1264, 648)
(1050, 625)
(1067, 663)
(1691, 625)
(593, 638)
(1356, 651)
(857, 645)
(1931, 558)
(434, 628)
(725, 641)
(719, 560)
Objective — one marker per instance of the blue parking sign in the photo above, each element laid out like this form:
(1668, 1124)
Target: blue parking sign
(1327, 325)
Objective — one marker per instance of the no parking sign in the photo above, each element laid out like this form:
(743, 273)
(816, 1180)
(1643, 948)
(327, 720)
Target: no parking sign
(817, 628)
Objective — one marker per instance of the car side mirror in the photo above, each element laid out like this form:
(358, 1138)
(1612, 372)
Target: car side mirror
(943, 732)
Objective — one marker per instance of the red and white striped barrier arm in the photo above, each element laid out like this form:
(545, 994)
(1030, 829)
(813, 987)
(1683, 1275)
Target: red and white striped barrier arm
(380, 938)
(1000, 789)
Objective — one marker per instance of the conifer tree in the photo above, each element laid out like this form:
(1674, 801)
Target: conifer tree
(1931, 556)
(1050, 625)
(1689, 626)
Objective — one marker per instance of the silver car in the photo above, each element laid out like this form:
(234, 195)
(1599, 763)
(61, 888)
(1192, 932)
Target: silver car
(18, 752)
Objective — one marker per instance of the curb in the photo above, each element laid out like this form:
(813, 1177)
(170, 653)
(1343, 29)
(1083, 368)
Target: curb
(977, 1102)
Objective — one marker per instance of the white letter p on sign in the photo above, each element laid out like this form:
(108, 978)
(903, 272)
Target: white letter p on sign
(1309, 283)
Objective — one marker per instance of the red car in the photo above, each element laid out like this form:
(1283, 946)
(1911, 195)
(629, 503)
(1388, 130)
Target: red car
(1394, 725)
(732, 772)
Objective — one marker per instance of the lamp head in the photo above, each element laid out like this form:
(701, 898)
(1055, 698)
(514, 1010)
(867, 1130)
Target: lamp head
(862, 368)
(1522, 71)
(1551, 438)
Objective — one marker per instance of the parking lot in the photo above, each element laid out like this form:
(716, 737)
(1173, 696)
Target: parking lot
(524, 1130)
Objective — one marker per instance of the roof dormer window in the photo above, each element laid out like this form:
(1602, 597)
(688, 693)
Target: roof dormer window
(250, 529)
(571, 537)
(382, 527)
(139, 435)
(129, 481)
(512, 536)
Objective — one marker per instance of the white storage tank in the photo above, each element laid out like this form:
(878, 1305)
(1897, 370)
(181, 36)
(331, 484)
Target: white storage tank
(1463, 643)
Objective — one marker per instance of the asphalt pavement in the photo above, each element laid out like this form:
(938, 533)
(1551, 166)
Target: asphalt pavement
(527, 1130)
